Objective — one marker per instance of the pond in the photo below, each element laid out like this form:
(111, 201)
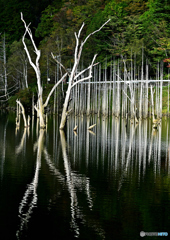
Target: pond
(111, 182)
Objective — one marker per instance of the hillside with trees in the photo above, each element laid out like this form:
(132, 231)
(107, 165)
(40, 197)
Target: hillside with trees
(138, 29)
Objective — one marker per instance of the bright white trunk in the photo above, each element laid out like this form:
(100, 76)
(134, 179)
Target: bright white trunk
(23, 112)
(73, 78)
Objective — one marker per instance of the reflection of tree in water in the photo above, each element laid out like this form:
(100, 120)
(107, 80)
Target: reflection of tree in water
(76, 183)
(120, 153)
(22, 145)
(29, 200)
(127, 160)
(125, 148)
(3, 150)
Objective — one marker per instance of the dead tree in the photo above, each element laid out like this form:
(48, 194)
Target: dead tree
(40, 106)
(23, 112)
(74, 77)
(3, 72)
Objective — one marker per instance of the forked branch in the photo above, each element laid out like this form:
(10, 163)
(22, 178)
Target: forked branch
(54, 57)
(90, 73)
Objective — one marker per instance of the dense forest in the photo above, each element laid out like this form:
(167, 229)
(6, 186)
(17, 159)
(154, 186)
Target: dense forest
(138, 30)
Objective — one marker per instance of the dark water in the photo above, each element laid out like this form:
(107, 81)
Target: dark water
(109, 183)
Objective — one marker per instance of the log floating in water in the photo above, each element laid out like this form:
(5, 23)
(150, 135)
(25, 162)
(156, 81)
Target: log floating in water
(92, 126)
(75, 128)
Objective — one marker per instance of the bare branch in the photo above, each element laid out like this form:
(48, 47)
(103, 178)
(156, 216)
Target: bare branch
(127, 96)
(29, 32)
(121, 79)
(80, 30)
(96, 31)
(76, 48)
(80, 73)
(38, 52)
(36, 108)
(9, 88)
(82, 80)
(77, 43)
(90, 73)
(77, 55)
(59, 63)
(52, 90)
(82, 44)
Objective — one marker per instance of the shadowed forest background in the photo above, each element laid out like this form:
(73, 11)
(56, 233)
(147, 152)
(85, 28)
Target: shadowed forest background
(138, 30)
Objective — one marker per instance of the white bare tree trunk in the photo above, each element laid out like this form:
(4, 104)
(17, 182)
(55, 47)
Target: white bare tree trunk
(25, 74)
(3, 70)
(41, 106)
(161, 84)
(23, 112)
(73, 77)
(88, 99)
(36, 68)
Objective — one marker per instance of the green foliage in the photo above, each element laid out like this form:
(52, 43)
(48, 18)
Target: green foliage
(58, 26)
(45, 27)
(156, 29)
(18, 62)
(123, 34)
(11, 22)
(165, 99)
(136, 26)
(117, 8)
(24, 95)
(10, 18)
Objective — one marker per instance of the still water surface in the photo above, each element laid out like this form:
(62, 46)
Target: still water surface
(109, 183)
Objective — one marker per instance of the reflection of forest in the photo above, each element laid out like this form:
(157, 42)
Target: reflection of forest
(132, 163)
(112, 179)
(119, 149)
(75, 183)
